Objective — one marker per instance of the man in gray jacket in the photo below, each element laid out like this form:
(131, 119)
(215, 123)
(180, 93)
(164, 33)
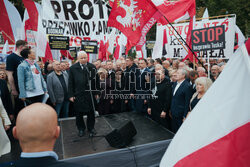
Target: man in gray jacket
(57, 84)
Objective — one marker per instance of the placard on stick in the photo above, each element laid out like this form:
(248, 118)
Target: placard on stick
(89, 46)
(59, 42)
(208, 38)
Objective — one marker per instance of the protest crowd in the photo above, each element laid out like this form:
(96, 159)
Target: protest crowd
(165, 90)
(91, 61)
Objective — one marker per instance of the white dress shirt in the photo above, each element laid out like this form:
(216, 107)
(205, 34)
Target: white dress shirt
(177, 86)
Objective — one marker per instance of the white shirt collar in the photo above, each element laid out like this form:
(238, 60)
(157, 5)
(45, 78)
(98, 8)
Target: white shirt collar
(39, 154)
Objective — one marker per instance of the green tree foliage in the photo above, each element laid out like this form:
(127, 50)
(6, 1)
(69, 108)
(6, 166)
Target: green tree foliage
(222, 7)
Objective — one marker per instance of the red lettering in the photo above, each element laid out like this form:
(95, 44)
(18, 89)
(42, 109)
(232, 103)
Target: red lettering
(219, 31)
(196, 40)
(210, 35)
(215, 23)
(206, 25)
(203, 35)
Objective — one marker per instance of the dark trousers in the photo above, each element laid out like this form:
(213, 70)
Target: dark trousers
(19, 105)
(90, 120)
(176, 124)
(35, 99)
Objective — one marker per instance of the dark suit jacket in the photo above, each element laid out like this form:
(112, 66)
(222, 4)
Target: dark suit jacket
(40, 162)
(163, 100)
(5, 97)
(142, 87)
(129, 79)
(79, 86)
(181, 99)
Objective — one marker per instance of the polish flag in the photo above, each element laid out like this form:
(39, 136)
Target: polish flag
(43, 49)
(133, 18)
(216, 133)
(33, 10)
(66, 54)
(165, 42)
(102, 50)
(117, 52)
(175, 11)
(11, 22)
(190, 54)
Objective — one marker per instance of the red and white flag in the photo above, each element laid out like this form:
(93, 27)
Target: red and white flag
(216, 133)
(10, 22)
(43, 49)
(66, 53)
(175, 11)
(165, 42)
(33, 10)
(190, 54)
(133, 18)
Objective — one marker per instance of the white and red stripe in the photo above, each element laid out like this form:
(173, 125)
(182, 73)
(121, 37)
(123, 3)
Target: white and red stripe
(11, 22)
(35, 23)
(216, 133)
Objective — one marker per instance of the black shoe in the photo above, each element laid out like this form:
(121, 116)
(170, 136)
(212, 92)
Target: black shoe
(92, 132)
(81, 133)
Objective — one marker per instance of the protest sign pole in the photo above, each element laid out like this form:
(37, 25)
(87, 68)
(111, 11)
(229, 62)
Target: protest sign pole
(208, 66)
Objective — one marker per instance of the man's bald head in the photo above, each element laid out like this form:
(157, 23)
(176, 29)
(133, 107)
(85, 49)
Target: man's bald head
(36, 128)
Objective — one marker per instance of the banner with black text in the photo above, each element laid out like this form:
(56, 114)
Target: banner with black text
(175, 47)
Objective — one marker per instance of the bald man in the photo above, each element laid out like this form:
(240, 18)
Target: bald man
(83, 88)
(37, 130)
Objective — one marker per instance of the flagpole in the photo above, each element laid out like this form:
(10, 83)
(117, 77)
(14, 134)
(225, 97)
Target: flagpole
(185, 42)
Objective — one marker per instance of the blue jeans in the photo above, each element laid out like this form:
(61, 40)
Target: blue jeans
(64, 106)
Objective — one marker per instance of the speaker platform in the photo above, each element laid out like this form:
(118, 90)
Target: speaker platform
(69, 145)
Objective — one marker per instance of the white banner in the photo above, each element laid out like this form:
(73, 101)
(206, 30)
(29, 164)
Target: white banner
(78, 19)
(174, 47)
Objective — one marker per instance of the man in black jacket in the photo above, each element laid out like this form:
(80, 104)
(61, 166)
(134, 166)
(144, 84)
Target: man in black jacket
(130, 79)
(37, 130)
(159, 104)
(83, 84)
(181, 95)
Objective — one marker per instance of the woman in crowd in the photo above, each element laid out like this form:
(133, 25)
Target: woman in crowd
(202, 85)
(30, 80)
(4, 125)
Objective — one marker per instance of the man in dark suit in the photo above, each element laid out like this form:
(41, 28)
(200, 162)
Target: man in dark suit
(142, 87)
(129, 79)
(37, 130)
(83, 83)
(181, 95)
(159, 104)
(193, 75)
